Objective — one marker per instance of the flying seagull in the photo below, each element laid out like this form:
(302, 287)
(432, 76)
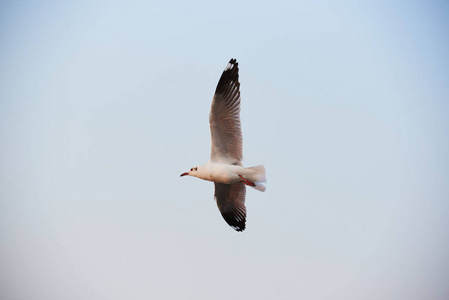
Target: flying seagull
(225, 166)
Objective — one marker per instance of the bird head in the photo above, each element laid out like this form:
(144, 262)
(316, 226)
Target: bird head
(191, 172)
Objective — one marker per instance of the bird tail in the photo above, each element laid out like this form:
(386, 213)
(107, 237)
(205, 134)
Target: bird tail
(257, 175)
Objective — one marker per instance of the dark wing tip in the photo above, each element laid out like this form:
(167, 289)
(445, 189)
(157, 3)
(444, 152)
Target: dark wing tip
(230, 75)
(232, 64)
(230, 218)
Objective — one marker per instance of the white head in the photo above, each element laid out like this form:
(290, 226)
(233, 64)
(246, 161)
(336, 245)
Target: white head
(192, 172)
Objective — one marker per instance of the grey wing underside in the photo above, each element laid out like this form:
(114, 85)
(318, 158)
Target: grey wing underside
(224, 118)
(231, 203)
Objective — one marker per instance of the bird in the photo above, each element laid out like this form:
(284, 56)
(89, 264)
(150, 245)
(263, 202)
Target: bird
(225, 167)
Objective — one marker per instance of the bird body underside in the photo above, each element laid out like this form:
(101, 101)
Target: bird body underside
(225, 173)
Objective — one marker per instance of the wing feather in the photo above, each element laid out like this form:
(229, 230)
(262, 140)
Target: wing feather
(231, 203)
(224, 117)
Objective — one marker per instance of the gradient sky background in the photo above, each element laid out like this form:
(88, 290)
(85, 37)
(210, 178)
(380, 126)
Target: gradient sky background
(103, 104)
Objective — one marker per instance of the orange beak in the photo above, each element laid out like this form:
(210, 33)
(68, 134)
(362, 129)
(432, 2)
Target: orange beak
(184, 174)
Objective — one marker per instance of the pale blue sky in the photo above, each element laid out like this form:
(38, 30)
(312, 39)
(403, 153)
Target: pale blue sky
(104, 103)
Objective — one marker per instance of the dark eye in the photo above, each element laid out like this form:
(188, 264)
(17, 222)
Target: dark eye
(195, 168)
(191, 169)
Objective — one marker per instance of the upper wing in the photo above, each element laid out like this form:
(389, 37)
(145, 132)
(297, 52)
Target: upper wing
(224, 117)
(231, 203)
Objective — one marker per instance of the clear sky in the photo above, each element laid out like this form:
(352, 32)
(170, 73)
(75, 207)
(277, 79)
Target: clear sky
(103, 104)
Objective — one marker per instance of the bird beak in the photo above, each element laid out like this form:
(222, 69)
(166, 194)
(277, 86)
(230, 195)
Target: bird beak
(184, 174)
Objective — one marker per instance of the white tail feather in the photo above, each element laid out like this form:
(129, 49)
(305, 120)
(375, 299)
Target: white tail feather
(257, 175)
(259, 187)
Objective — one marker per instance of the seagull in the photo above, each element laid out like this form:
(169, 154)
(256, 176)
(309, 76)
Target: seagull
(225, 166)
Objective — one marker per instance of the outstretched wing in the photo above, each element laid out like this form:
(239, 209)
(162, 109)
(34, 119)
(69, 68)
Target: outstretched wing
(224, 117)
(231, 203)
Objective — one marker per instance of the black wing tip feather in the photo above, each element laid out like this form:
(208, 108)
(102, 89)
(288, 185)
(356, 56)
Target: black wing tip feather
(233, 61)
(231, 220)
(230, 74)
(232, 66)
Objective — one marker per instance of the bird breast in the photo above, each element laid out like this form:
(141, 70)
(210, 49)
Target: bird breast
(221, 173)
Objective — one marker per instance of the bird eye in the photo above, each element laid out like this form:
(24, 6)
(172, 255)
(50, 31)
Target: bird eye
(191, 169)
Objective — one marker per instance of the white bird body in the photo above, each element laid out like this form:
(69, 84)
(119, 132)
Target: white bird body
(228, 174)
(225, 166)
(220, 172)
